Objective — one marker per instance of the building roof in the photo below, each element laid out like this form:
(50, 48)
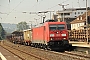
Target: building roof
(81, 18)
(77, 9)
(70, 10)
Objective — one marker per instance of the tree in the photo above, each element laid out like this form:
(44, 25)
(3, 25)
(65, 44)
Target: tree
(22, 26)
(2, 32)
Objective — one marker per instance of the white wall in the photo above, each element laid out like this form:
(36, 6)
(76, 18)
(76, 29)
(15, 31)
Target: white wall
(72, 13)
(77, 26)
(78, 12)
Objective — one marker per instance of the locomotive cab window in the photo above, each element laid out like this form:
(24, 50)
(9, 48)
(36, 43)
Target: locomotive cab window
(57, 27)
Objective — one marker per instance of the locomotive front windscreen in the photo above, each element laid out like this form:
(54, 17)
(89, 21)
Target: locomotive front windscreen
(57, 27)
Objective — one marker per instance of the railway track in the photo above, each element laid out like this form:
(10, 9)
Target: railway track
(52, 55)
(23, 55)
(12, 52)
(72, 55)
(87, 56)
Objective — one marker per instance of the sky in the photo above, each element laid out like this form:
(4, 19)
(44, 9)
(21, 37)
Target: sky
(11, 11)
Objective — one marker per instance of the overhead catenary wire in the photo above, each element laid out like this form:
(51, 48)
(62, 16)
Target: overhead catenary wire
(36, 7)
(13, 9)
(47, 8)
(16, 6)
(37, 3)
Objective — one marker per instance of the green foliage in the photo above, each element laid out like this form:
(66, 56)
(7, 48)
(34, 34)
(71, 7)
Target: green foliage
(2, 32)
(22, 26)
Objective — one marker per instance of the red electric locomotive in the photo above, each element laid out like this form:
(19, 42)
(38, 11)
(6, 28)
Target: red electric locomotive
(51, 35)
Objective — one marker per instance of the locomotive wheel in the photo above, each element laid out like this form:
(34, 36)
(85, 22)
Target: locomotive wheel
(26, 43)
(45, 48)
(36, 45)
(32, 45)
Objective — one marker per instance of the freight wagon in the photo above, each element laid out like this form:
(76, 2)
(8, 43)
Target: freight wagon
(27, 36)
(17, 37)
(23, 37)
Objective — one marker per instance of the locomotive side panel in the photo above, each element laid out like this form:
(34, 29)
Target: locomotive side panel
(38, 35)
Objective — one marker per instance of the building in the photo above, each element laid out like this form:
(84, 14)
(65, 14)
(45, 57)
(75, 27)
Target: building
(70, 14)
(80, 21)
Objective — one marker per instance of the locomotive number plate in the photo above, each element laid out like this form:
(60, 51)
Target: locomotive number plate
(57, 34)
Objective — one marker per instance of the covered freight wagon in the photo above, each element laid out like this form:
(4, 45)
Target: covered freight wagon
(27, 36)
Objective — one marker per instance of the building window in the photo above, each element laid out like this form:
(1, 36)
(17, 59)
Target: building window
(68, 13)
(81, 12)
(75, 13)
(78, 12)
(62, 14)
(65, 13)
(75, 16)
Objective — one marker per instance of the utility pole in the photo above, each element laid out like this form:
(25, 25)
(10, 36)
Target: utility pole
(41, 17)
(86, 23)
(63, 9)
(31, 24)
(36, 21)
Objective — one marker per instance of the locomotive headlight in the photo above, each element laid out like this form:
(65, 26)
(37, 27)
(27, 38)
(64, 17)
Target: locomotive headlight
(51, 35)
(63, 34)
(51, 39)
(57, 32)
(64, 38)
